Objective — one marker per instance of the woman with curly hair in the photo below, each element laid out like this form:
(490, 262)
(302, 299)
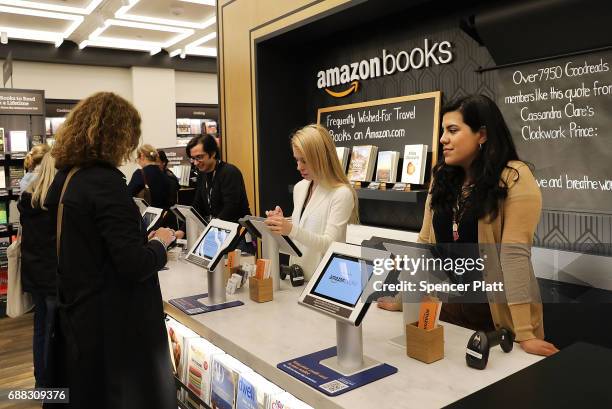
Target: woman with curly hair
(110, 347)
(483, 194)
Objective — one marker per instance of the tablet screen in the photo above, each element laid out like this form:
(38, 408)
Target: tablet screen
(148, 218)
(211, 242)
(343, 279)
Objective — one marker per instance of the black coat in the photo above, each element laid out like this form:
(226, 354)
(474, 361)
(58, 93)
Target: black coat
(158, 183)
(38, 253)
(111, 345)
(228, 196)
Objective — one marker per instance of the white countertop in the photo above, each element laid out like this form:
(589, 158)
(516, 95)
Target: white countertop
(263, 335)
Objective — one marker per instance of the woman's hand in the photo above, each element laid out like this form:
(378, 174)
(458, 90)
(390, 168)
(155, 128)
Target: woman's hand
(538, 347)
(276, 212)
(179, 234)
(389, 303)
(164, 234)
(279, 225)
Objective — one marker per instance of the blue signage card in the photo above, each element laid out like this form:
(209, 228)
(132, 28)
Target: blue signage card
(192, 306)
(309, 370)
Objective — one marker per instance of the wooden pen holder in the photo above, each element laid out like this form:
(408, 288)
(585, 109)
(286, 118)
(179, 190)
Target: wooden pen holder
(260, 290)
(425, 345)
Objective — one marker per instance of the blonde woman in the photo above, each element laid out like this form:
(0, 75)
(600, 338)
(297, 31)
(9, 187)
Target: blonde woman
(324, 202)
(38, 260)
(31, 164)
(150, 176)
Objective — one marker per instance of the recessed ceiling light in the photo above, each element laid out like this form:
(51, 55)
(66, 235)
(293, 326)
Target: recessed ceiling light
(123, 14)
(53, 7)
(204, 2)
(39, 35)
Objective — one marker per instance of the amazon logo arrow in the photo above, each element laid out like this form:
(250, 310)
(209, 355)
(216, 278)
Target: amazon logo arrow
(352, 88)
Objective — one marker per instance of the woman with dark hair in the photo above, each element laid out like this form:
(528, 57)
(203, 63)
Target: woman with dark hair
(483, 194)
(111, 346)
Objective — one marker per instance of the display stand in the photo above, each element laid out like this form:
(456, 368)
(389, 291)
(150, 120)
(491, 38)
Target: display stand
(217, 240)
(270, 250)
(337, 290)
(272, 245)
(349, 359)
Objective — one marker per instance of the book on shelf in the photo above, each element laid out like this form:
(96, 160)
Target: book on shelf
(48, 129)
(343, 155)
(2, 178)
(255, 392)
(199, 369)
(413, 168)
(386, 168)
(195, 127)
(56, 123)
(183, 126)
(18, 141)
(361, 166)
(226, 372)
(2, 142)
(3, 215)
(15, 175)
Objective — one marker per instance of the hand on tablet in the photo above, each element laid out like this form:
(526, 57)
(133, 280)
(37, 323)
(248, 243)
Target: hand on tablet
(276, 212)
(164, 234)
(277, 222)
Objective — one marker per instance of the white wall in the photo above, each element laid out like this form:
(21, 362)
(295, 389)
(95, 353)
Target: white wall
(62, 81)
(193, 87)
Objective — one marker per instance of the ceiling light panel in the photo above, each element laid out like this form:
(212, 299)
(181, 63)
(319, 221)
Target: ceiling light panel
(169, 12)
(203, 2)
(76, 7)
(54, 25)
(136, 36)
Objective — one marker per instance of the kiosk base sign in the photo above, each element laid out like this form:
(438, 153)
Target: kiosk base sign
(192, 305)
(309, 370)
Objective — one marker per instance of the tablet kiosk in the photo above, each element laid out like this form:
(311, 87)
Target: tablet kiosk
(212, 244)
(142, 205)
(151, 216)
(218, 239)
(194, 222)
(272, 244)
(337, 290)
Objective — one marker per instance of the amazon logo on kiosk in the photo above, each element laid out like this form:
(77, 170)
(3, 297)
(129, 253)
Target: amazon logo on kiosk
(432, 53)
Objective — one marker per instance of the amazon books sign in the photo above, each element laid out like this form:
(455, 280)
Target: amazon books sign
(432, 53)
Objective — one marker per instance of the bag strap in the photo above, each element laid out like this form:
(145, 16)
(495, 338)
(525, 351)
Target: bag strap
(144, 178)
(60, 209)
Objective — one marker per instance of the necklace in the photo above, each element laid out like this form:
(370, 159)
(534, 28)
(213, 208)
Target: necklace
(459, 208)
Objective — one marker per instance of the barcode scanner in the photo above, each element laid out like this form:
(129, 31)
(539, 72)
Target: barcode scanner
(295, 273)
(477, 352)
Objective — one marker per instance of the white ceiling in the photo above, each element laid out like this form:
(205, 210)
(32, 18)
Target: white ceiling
(181, 27)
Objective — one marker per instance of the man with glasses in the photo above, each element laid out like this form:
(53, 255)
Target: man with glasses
(220, 191)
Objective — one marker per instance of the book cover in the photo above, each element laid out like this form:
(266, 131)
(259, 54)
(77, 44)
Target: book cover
(429, 312)
(199, 368)
(15, 175)
(226, 371)
(361, 166)
(3, 215)
(343, 155)
(413, 168)
(48, 129)
(386, 170)
(183, 126)
(2, 141)
(255, 392)
(18, 141)
(179, 339)
(286, 400)
(2, 178)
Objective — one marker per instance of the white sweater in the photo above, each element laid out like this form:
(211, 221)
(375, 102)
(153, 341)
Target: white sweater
(324, 221)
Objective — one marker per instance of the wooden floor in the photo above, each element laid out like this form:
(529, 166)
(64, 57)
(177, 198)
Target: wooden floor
(16, 369)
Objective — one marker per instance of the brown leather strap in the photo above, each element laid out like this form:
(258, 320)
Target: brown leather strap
(60, 209)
